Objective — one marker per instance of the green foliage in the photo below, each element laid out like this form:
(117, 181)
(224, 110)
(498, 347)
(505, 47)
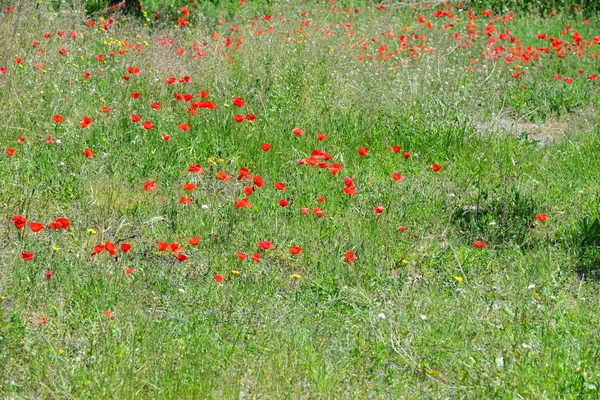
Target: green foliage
(421, 312)
(583, 241)
(542, 7)
(501, 216)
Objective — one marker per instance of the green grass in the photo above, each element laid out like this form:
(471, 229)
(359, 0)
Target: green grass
(419, 313)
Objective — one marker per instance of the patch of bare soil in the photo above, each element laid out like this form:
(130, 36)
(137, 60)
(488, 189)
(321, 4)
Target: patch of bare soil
(545, 132)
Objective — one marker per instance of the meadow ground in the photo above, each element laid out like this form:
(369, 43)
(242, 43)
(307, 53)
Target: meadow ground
(299, 200)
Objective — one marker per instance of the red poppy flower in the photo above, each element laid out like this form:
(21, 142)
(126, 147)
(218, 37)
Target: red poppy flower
(238, 102)
(129, 271)
(568, 80)
(196, 168)
(436, 167)
(258, 181)
(321, 136)
(479, 244)
(150, 185)
(181, 257)
(166, 137)
(238, 118)
(194, 240)
(397, 176)
(379, 209)
(125, 247)
(36, 226)
(244, 174)
(350, 190)
(283, 203)
(58, 118)
(184, 127)
(222, 176)
(189, 186)
(110, 247)
(241, 256)
(175, 247)
(99, 248)
(256, 257)
(304, 210)
(147, 125)
(401, 228)
(363, 151)
(250, 117)
(135, 118)
(321, 199)
(105, 110)
(63, 223)
(135, 95)
(279, 186)
(27, 256)
(88, 153)
(162, 246)
(19, 221)
(396, 149)
(266, 146)
(295, 249)
(185, 200)
(10, 152)
(109, 314)
(349, 256)
(541, 217)
(406, 154)
(248, 190)
(297, 132)
(243, 203)
(218, 278)
(266, 245)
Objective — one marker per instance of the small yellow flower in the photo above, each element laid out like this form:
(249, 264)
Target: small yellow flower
(61, 351)
(235, 272)
(225, 105)
(2, 298)
(90, 230)
(55, 248)
(404, 261)
(458, 279)
(296, 276)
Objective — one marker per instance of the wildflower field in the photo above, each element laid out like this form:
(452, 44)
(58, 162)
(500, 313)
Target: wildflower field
(303, 199)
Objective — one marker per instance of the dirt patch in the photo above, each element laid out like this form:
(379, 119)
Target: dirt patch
(545, 132)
